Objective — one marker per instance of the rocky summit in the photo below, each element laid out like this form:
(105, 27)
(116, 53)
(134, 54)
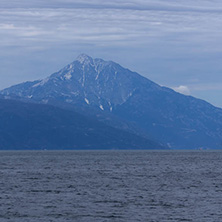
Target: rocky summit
(93, 82)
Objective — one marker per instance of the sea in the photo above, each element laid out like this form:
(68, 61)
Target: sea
(110, 186)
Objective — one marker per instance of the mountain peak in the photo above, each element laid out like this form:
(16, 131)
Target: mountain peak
(84, 58)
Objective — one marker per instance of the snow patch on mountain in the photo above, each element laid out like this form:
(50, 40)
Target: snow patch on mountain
(68, 76)
(84, 59)
(41, 83)
(101, 107)
(87, 101)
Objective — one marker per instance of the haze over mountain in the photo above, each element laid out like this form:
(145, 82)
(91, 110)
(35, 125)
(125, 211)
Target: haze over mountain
(97, 86)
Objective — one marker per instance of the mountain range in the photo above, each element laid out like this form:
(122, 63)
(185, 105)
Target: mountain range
(126, 101)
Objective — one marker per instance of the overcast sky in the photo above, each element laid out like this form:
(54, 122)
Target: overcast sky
(174, 43)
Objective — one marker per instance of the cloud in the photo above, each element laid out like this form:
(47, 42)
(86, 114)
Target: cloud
(143, 5)
(182, 89)
(139, 27)
(200, 87)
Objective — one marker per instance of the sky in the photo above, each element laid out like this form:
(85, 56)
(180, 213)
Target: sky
(174, 43)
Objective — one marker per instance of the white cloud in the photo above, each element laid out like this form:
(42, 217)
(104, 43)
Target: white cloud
(121, 20)
(7, 26)
(182, 89)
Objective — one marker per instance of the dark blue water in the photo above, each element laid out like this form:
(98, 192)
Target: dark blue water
(110, 186)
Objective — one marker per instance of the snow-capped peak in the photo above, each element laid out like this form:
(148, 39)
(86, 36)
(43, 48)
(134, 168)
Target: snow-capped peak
(83, 58)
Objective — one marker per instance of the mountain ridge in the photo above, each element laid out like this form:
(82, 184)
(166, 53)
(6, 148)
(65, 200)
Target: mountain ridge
(115, 92)
(39, 126)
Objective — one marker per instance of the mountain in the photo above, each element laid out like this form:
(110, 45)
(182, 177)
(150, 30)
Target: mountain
(86, 81)
(38, 126)
(104, 88)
